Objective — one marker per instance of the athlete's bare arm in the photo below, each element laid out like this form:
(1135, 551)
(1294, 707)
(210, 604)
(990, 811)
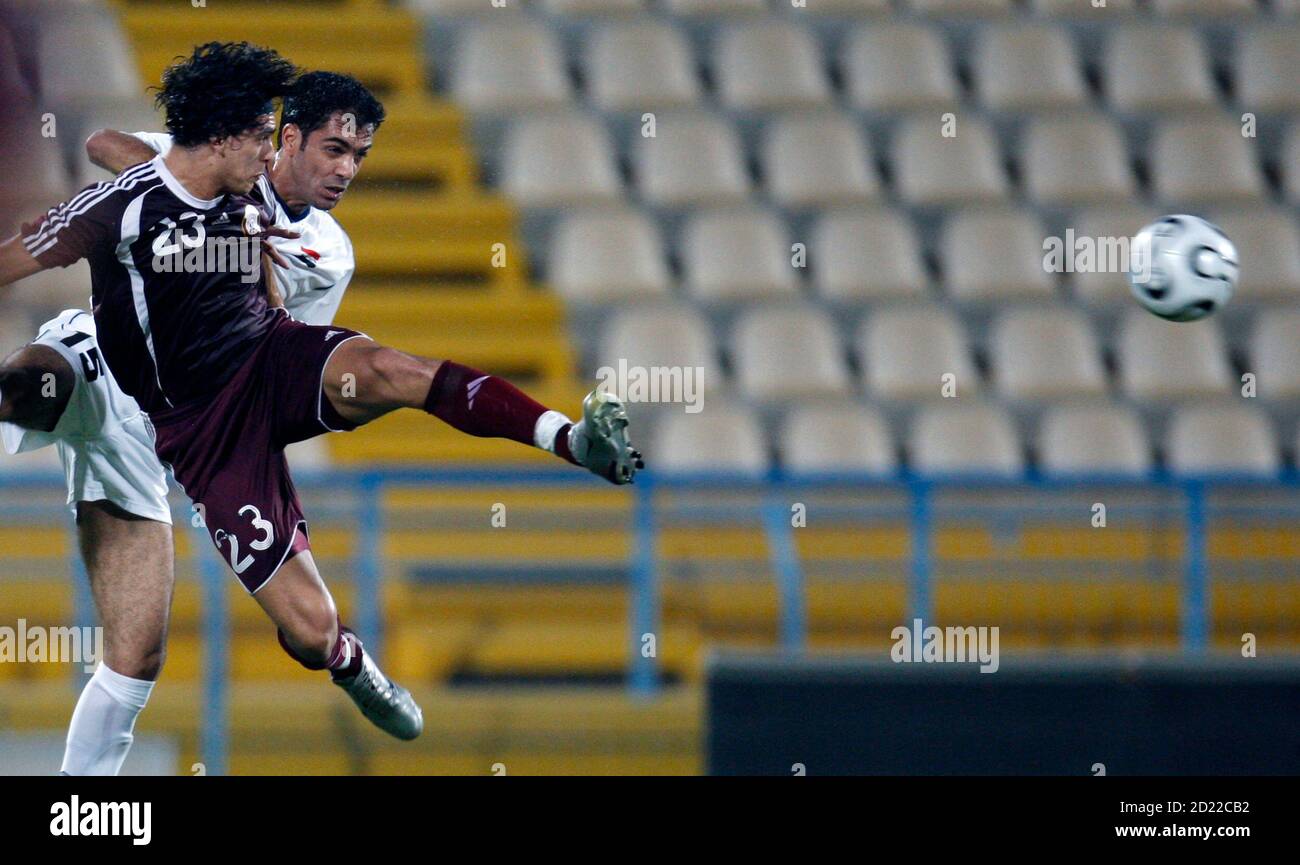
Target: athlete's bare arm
(35, 386)
(16, 262)
(117, 151)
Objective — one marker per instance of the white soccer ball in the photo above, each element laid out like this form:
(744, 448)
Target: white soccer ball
(1182, 268)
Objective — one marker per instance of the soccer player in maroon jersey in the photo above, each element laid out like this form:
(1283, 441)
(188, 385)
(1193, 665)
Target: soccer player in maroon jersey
(229, 381)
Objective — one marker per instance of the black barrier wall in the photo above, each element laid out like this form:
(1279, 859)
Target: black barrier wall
(770, 715)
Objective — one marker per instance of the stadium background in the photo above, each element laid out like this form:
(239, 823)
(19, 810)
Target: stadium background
(523, 127)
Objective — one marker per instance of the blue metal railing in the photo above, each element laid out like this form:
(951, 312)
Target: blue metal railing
(773, 495)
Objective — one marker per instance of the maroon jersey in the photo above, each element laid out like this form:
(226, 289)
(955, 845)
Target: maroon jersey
(176, 301)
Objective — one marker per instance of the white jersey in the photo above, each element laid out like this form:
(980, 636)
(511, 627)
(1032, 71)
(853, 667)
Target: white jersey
(104, 441)
(321, 259)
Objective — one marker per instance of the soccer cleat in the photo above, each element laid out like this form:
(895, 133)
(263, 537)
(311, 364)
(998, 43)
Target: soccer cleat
(385, 703)
(599, 441)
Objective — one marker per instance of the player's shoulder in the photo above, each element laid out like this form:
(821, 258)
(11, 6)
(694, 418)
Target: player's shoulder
(68, 322)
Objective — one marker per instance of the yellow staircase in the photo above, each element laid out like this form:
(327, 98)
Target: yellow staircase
(441, 271)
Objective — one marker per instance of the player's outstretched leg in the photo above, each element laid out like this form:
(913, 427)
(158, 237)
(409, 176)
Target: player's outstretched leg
(303, 610)
(364, 380)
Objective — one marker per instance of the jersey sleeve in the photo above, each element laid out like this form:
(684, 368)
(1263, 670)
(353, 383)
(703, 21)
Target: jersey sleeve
(75, 229)
(158, 142)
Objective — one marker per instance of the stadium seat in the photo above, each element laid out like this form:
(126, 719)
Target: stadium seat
(38, 172)
(1156, 68)
(667, 334)
(781, 352)
(1041, 353)
(134, 114)
(509, 67)
(695, 158)
(848, 7)
(818, 159)
(1290, 164)
(1150, 351)
(309, 455)
(1075, 159)
(1268, 69)
(836, 438)
(1027, 67)
(945, 8)
(715, 8)
(557, 160)
(459, 8)
(1275, 355)
(737, 254)
(641, 66)
(1230, 437)
(1074, 10)
(1092, 437)
(1201, 9)
(1268, 241)
(1204, 160)
(721, 438)
(931, 169)
(769, 65)
(897, 66)
(607, 254)
(955, 437)
(866, 254)
(49, 292)
(70, 74)
(594, 7)
(1106, 285)
(989, 255)
(905, 353)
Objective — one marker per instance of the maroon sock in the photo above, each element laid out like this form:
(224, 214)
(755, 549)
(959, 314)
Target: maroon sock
(344, 659)
(486, 406)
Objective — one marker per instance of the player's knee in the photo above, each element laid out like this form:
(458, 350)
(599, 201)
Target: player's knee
(144, 661)
(310, 637)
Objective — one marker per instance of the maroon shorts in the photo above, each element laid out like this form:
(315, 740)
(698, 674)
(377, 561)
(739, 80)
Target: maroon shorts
(228, 453)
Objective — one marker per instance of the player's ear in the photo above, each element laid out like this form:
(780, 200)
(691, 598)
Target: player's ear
(291, 137)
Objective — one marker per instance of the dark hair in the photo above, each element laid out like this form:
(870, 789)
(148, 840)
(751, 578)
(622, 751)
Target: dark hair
(221, 90)
(22, 385)
(316, 96)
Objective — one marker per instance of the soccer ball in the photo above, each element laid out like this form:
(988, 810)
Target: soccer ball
(1182, 268)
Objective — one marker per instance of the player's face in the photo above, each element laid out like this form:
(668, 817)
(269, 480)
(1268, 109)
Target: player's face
(249, 155)
(327, 161)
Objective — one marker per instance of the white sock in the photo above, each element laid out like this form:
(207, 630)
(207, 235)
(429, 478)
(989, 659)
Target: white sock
(102, 724)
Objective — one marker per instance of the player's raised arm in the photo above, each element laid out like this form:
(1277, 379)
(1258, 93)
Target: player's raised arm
(117, 151)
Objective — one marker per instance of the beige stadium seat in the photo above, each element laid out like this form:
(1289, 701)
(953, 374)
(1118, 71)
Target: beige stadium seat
(848, 7)
(906, 352)
(607, 254)
(1290, 164)
(737, 254)
(720, 438)
(1108, 232)
(312, 454)
(1076, 159)
(1092, 438)
(991, 255)
(818, 159)
(1227, 437)
(509, 66)
(1028, 67)
(1268, 69)
(932, 169)
(1202, 9)
(17, 328)
(462, 8)
(951, 436)
(769, 65)
(1044, 353)
(945, 8)
(1268, 242)
(594, 7)
(866, 255)
(1156, 68)
(695, 158)
(836, 438)
(1164, 360)
(38, 172)
(1083, 10)
(897, 66)
(1204, 160)
(557, 160)
(49, 292)
(660, 335)
(715, 8)
(641, 66)
(128, 115)
(1275, 355)
(781, 352)
(84, 56)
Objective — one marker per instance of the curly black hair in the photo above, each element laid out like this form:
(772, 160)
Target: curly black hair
(316, 96)
(221, 90)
